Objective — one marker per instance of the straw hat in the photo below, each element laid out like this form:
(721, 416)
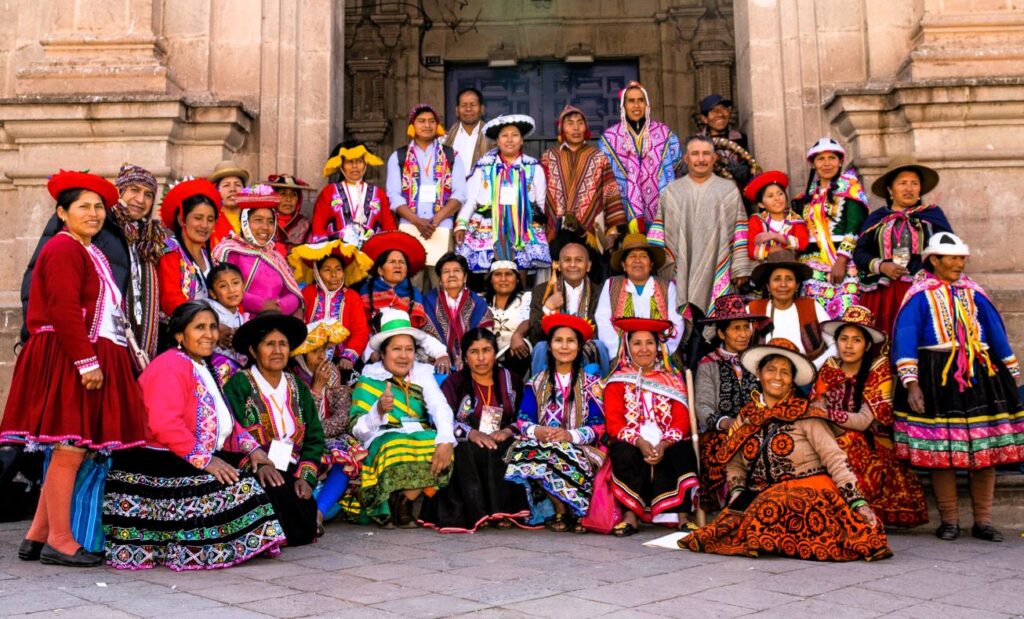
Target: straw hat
(900, 163)
(228, 168)
(854, 315)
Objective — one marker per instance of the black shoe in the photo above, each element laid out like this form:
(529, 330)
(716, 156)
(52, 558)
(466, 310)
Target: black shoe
(947, 532)
(986, 532)
(81, 558)
(29, 550)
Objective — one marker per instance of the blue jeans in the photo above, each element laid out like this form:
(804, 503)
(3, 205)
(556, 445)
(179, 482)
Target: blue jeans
(539, 361)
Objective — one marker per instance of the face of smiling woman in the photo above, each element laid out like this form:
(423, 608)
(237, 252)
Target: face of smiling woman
(776, 379)
(200, 336)
(84, 217)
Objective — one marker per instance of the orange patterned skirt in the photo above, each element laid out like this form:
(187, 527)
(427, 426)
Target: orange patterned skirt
(712, 491)
(890, 487)
(802, 518)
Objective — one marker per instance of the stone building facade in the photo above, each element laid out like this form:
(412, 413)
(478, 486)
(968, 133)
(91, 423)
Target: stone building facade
(178, 86)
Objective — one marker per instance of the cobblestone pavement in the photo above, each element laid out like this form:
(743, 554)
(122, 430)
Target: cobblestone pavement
(366, 572)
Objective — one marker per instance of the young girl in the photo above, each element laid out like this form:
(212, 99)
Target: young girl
(226, 290)
(775, 227)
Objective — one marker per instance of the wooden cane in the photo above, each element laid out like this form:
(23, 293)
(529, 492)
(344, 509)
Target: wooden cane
(551, 284)
(695, 439)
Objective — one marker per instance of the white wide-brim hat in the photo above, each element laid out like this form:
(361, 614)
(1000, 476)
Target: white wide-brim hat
(945, 244)
(524, 123)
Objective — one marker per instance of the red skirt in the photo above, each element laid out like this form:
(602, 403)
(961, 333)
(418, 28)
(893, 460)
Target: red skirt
(884, 302)
(890, 488)
(48, 404)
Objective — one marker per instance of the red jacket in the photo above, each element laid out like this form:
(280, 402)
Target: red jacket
(795, 232)
(64, 299)
(623, 424)
(327, 217)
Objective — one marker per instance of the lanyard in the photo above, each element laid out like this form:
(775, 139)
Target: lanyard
(355, 200)
(279, 413)
(486, 399)
(647, 409)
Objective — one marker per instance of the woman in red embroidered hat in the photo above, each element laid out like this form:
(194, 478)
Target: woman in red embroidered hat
(73, 387)
(654, 465)
(189, 210)
(775, 227)
(269, 283)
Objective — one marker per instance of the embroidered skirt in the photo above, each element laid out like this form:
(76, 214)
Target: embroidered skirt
(477, 493)
(48, 404)
(835, 298)
(160, 510)
(801, 518)
(889, 486)
(667, 487)
(562, 470)
(713, 490)
(398, 461)
(479, 249)
(980, 427)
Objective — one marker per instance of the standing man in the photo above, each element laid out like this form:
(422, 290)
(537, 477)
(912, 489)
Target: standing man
(582, 194)
(426, 186)
(466, 137)
(704, 222)
(643, 153)
(715, 117)
(229, 178)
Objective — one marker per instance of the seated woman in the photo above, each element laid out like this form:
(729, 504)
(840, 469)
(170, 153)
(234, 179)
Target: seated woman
(453, 308)
(485, 398)
(280, 412)
(329, 269)
(269, 284)
(791, 317)
(722, 387)
(654, 465)
(351, 210)
(312, 364)
(560, 423)
(394, 405)
(397, 257)
(510, 307)
(791, 490)
(189, 210)
(855, 389)
(191, 501)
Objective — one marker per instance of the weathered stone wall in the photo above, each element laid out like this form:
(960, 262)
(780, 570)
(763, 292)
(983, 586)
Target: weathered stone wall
(172, 86)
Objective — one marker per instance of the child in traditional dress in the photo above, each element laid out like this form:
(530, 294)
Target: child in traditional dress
(775, 227)
(226, 290)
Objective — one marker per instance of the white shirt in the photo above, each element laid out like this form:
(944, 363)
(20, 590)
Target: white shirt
(368, 428)
(572, 297)
(465, 144)
(641, 309)
(453, 304)
(284, 422)
(225, 422)
(786, 324)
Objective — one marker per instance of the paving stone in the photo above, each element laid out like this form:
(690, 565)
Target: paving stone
(816, 609)
(441, 582)
(89, 611)
(1002, 596)
(387, 571)
(113, 591)
(931, 610)
(493, 613)
(271, 569)
(927, 584)
(34, 601)
(357, 612)
(500, 594)
(746, 596)
(166, 604)
(249, 592)
(299, 605)
(563, 607)
(374, 592)
(690, 606)
(430, 605)
(860, 597)
(327, 583)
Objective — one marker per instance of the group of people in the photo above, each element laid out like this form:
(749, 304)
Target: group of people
(616, 335)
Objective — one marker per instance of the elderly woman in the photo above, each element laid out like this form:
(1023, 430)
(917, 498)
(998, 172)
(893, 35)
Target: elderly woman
(269, 284)
(560, 423)
(510, 307)
(327, 269)
(189, 211)
(889, 250)
(956, 405)
(351, 210)
(834, 206)
(503, 217)
(201, 476)
(792, 317)
(453, 308)
(654, 465)
(722, 388)
(404, 421)
(281, 414)
(73, 387)
(292, 225)
(791, 490)
(485, 398)
(855, 389)
(312, 364)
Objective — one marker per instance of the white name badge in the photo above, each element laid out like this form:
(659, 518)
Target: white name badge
(280, 454)
(412, 426)
(428, 193)
(508, 194)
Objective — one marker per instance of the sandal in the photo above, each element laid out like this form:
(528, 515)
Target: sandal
(624, 529)
(504, 524)
(560, 524)
(579, 529)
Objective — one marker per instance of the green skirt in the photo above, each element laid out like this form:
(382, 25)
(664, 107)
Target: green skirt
(398, 461)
